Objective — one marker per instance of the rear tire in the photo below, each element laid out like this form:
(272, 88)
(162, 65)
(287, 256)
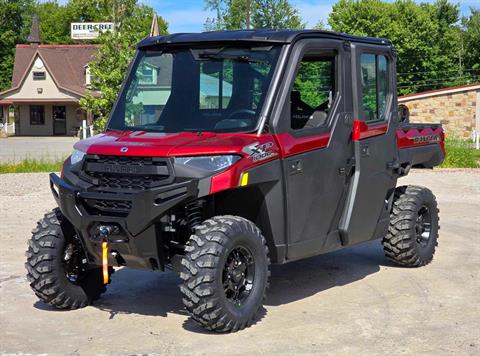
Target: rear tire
(414, 224)
(54, 255)
(225, 273)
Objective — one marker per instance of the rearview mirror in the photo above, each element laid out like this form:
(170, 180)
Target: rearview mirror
(403, 113)
(212, 67)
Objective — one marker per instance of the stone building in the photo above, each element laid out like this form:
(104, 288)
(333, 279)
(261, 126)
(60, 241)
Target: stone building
(457, 108)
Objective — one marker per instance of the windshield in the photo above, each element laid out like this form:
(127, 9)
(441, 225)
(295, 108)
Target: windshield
(208, 89)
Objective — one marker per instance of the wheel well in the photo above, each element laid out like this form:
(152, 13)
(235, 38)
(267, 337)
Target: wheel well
(249, 203)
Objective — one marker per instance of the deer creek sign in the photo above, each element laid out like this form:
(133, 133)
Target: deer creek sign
(89, 30)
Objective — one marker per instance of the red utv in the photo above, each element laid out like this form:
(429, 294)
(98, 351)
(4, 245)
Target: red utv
(228, 151)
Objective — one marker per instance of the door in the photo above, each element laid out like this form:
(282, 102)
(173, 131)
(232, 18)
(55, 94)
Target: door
(366, 215)
(313, 134)
(59, 120)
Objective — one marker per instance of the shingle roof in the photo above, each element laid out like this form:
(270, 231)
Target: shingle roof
(66, 64)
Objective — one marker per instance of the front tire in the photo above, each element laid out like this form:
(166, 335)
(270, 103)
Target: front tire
(225, 273)
(56, 265)
(414, 224)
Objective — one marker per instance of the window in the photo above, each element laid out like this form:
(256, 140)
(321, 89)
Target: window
(39, 75)
(313, 92)
(215, 84)
(374, 83)
(197, 89)
(148, 75)
(37, 115)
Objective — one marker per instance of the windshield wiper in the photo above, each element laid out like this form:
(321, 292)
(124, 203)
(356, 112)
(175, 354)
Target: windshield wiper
(233, 57)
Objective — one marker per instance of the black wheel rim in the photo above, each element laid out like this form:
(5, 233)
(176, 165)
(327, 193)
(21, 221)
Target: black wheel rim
(74, 262)
(238, 275)
(423, 226)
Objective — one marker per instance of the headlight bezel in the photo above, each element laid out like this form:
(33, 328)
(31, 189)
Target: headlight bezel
(77, 156)
(209, 163)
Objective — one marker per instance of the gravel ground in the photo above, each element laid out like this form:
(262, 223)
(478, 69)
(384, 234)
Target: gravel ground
(347, 302)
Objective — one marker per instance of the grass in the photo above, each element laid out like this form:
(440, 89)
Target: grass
(460, 154)
(31, 166)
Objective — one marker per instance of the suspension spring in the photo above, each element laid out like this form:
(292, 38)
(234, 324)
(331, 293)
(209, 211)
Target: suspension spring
(193, 213)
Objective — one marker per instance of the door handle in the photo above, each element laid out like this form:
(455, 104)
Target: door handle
(365, 151)
(295, 166)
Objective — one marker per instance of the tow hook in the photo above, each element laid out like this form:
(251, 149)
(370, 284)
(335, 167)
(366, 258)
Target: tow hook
(110, 233)
(104, 234)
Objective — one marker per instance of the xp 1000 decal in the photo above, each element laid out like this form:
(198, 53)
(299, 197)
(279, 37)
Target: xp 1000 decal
(259, 152)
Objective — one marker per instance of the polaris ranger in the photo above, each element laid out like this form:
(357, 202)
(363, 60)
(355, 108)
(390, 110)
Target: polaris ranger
(228, 151)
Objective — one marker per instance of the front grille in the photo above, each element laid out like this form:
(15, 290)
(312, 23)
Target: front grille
(108, 207)
(125, 174)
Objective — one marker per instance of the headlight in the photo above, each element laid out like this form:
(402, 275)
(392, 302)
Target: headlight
(208, 163)
(76, 156)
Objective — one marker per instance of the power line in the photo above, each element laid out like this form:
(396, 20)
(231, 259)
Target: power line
(431, 85)
(436, 80)
(440, 71)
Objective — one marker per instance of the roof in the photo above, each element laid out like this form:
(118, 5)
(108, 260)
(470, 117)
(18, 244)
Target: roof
(442, 91)
(65, 63)
(262, 35)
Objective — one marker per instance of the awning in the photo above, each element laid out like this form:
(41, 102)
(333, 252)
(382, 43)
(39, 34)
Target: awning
(6, 102)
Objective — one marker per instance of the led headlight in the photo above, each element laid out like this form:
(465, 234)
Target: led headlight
(76, 156)
(208, 163)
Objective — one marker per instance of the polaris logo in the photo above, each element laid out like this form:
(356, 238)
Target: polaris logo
(124, 149)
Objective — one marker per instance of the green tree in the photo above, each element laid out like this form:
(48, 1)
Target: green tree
(54, 22)
(115, 52)
(231, 14)
(471, 41)
(426, 37)
(14, 23)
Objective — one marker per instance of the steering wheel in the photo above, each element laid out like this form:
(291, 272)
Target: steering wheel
(241, 111)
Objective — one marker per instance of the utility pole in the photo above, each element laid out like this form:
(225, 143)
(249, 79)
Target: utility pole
(248, 14)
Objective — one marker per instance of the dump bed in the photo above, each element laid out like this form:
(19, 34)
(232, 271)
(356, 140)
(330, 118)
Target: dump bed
(420, 145)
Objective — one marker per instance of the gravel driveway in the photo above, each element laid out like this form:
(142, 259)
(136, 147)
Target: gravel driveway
(347, 302)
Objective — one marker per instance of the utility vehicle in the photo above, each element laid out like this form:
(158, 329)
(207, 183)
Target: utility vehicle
(228, 151)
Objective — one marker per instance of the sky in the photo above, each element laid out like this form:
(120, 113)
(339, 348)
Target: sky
(190, 15)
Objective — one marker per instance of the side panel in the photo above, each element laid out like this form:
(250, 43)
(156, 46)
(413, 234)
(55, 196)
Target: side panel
(259, 198)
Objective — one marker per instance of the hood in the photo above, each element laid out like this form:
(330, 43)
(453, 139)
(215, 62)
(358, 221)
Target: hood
(156, 144)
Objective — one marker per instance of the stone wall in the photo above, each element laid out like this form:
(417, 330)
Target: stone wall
(455, 111)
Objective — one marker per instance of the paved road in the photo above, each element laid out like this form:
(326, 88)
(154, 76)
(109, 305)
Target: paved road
(348, 302)
(14, 149)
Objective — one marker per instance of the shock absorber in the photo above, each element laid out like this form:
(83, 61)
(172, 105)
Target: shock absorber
(193, 213)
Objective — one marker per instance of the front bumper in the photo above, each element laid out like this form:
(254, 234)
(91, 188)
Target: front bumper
(139, 242)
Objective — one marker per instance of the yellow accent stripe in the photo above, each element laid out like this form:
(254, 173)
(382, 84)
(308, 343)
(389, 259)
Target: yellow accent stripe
(244, 181)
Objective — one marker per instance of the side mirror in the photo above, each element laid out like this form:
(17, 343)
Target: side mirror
(403, 113)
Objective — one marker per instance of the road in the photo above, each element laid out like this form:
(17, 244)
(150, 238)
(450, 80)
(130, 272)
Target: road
(17, 148)
(348, 302)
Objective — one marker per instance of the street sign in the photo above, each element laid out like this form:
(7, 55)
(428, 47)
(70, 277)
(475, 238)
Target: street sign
(89, 30)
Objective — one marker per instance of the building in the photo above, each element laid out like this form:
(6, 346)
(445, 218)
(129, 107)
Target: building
(48, 82)
(457, 108)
